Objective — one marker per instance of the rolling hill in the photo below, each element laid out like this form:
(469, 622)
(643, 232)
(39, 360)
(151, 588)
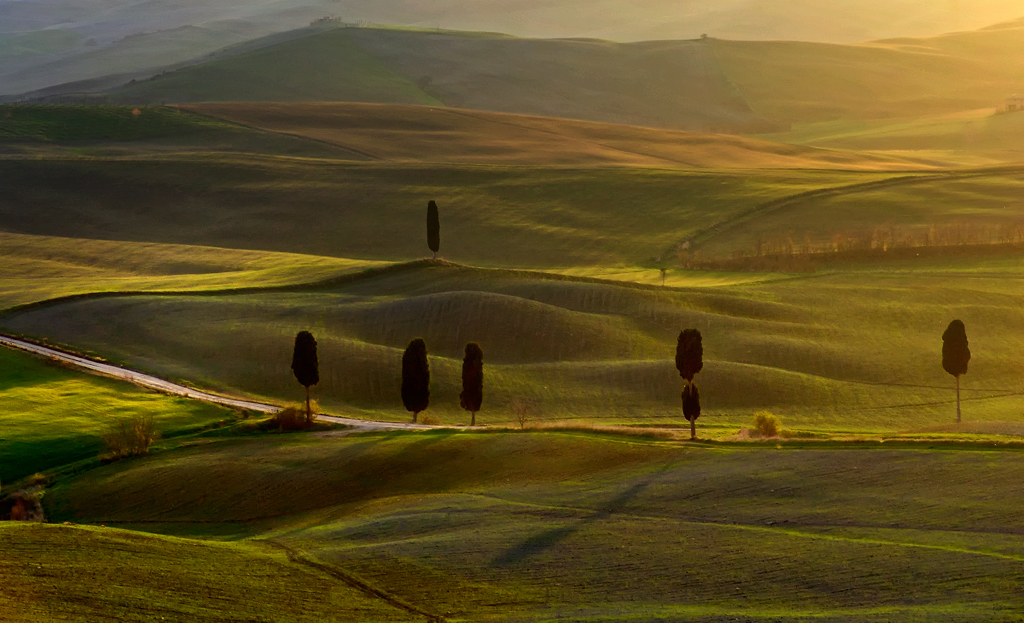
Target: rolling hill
(51, 43)
(821, 351)
(899, 78)
(716, 84)
(445, 135)
(667, 84)
(526, 526)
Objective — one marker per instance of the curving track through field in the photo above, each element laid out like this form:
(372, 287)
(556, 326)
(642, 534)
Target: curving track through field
(155, 383)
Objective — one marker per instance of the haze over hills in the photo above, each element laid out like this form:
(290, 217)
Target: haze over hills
(713, 84)
(667, 84)
(48, 42)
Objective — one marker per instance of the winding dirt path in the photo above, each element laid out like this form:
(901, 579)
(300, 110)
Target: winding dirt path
(155, 383)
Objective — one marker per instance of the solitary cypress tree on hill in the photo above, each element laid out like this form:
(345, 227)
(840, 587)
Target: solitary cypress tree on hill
(433, 228)
(956, 354)
(690, 361)
(689, 354)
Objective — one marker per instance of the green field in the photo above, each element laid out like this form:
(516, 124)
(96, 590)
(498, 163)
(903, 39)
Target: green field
(972, 138)
(843, 351)
(492, 215)
(538, 526)
(199, 261)
(94, 574)
(41, 268)
(52, 416)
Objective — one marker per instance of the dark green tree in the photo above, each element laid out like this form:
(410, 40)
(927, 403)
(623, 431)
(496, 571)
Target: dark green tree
(472, 396)
(689, 354)
(305, 365)
(956, 354)
(691, 407)
(690, 361)
(416, 378)
(433, 228)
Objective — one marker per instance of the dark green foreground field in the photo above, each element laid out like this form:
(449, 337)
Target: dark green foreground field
(529, 526)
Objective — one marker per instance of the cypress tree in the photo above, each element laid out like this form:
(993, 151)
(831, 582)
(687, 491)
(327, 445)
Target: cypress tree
(691, 407)
(690, 361)
(689, 354)
(472, 396)
(956, 354)
(433, 228)
(305, 365)
(415, 378)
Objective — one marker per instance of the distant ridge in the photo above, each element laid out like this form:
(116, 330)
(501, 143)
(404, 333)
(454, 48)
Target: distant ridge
(672, 84)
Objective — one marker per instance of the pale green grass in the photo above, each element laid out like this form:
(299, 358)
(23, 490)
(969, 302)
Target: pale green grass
(971, 138)
(40, 267)
(52, 416)
(978, 203)
(843, 352)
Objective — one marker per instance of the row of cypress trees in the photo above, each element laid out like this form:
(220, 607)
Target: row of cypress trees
(416, 379)
(689, 361)
(415, 375)
(956, 355)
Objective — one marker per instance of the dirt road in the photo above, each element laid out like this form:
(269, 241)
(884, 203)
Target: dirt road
(167, 387)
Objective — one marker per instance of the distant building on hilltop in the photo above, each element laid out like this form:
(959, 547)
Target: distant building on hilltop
(1015, 103)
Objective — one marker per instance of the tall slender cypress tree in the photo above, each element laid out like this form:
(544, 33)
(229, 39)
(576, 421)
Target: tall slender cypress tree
(690, 361)
(433, 228)
(956, 354)
(415, 378)
(305, 365)
(472, 396)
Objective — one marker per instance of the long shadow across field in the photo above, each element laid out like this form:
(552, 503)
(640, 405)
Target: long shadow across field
(537, 544)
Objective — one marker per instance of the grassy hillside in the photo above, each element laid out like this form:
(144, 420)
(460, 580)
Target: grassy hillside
(972, 137)
(445, 135)
(320, 67)
(77, 573)
(508, 216)
(39, 268)
(546, 525)
(839, 352)
(95, 123)
(980, 206)
(665, 84)
(806, 82)
(52, 416)
(44, 130)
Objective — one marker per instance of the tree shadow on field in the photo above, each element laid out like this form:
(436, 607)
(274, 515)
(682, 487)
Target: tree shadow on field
(538, 543)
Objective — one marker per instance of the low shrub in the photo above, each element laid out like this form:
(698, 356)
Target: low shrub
(28, 505)
(523, 410)
(291, 418)
(430, 420)
(766, 424)
(294, 417)
(131, 437)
